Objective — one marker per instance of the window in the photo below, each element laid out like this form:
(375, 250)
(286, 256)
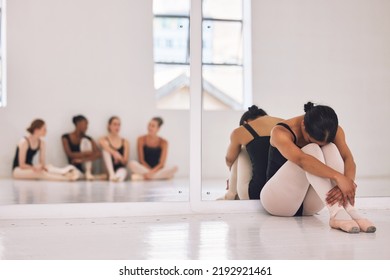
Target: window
(224, 43)
(171, 41)
(222, 54)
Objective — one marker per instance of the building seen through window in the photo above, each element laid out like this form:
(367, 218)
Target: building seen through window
(222, 54)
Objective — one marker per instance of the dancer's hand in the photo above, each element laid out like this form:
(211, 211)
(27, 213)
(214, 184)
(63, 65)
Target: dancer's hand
(117, 157)
(77, 160)
(38, 168)
(335, 195)
(348, 188)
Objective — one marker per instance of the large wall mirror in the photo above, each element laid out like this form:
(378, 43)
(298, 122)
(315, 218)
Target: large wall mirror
(280, 54)
(100, 59)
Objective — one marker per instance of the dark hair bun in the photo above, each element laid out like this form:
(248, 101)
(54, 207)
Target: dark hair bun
(308, 106)
(253, 109)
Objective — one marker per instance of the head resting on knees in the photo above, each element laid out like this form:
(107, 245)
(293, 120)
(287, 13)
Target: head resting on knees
(81, 123)
(253, 113)
(37, 127)
(320, 123)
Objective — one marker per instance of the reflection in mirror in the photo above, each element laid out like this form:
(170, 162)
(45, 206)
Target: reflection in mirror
(99, 68)
(171, 40)
(297, 54)
(225, 85)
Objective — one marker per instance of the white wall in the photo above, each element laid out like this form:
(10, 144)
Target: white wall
(94, 57)
(90, 57)
(331, 52)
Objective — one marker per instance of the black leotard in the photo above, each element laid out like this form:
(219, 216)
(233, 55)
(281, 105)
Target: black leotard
(120, 150)
(152, 155)
(276, 160)
(29, 155)
(75, 148)
(258, 154)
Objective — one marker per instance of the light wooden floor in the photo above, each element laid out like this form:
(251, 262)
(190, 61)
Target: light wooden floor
(187, 236)
(193, 237)
(45, 192)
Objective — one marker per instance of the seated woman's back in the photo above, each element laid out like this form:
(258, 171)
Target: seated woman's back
(253, 133)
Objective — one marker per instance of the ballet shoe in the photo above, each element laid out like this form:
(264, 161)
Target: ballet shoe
(365, 225)
(114, 179)
(230, 196)
(72, 175)
(349, 226)
(102, 176)
(137, 177)
(89, 177)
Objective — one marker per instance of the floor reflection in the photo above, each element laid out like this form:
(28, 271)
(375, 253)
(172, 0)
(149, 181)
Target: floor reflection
(367, 187)
(43, 192)
(243, 236)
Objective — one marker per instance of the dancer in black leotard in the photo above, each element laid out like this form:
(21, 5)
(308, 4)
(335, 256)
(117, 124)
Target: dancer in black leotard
(28, 147)
(115, 151)
(81, 149)
(310, 166)
(251, 139)
(152, 154)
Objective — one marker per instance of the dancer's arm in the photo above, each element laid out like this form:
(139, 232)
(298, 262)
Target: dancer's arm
(73, 155)
(42, 154)
(96, 153)
(103, 142)
(234, 148)
(163, 157)
(88, 155)
(126, 152)
(346, 154)
(140, 150)
(23, 147)
(335, 195)
(283, 141)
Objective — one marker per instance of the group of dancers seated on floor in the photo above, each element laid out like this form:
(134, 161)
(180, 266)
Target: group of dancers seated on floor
(81, 150)
(295, 166)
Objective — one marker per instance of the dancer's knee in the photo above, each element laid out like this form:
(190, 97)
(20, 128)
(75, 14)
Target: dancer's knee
(330, 148)
(85, 144)
(313, 150)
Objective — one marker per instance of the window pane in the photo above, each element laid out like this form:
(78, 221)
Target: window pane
(222, 87)
(172, 84)
(170, 36)
(171, 7)
(222, 42)
(222, 9)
